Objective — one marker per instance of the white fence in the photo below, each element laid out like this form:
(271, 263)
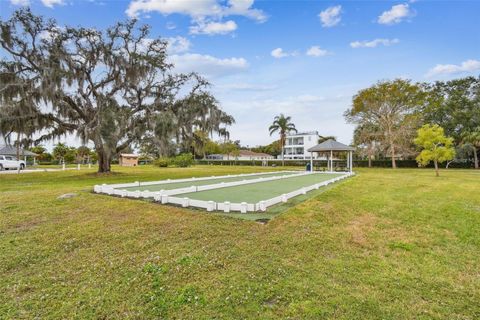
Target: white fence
(167, 181)
(113, 189)
(245, 207)
(166, 196)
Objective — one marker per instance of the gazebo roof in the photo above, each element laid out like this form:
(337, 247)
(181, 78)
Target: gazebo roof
(330, 145)
(12, 151)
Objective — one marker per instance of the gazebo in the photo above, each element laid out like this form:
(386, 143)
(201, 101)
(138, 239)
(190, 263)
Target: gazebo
(12, 151)
(329, 147)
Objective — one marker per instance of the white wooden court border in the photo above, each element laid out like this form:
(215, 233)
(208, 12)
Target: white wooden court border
(166, 196)
(245, 207)
(116, 189)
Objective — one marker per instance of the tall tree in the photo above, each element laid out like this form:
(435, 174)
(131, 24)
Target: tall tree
(455, 106)
(472, 137)
(391, 107)
(83, 154)
(227, 120)
(60, 152)
(283, 125)
(435, 146)
(109, 87)
(366, 138)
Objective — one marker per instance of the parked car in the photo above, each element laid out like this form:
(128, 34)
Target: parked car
(9, 162)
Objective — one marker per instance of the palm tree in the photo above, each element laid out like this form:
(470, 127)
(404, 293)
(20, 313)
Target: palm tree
(473, 138)
(227, 120)
(283, 126)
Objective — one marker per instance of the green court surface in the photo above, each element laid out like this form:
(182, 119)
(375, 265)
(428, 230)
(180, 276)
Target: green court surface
(255, 192)
(173, 185)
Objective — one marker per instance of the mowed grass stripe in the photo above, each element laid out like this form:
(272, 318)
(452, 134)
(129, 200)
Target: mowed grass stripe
(255, 192)
(170, 186)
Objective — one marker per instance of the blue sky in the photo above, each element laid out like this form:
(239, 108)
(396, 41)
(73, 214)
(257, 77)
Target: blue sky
(302, 58)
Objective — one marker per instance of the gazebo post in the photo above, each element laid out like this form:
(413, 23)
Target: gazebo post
(331, 145)
(311, 161)
(351, 161)
(348, 161)
(331, 160)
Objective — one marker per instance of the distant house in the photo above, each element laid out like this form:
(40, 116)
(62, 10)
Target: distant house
(12, 151)
(241, 155)
(296, 145)
(128, 160)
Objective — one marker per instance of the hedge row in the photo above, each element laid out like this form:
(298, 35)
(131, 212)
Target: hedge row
(465, 164)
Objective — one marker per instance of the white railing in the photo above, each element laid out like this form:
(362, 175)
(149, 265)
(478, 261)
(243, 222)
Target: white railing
(167, 196)
(111, 189)
(245, 207)
(167, 181)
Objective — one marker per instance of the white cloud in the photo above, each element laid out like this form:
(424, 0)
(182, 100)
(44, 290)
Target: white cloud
(20, 2)
(192, 8)
(178, 45)
(207, 65)
(396, 14)
(373, 43)
(244, 8)
(206, 15)
(308, 112)
(51, 3)
(316, 51)
(197, 8)
(331, 16)
(212, 28)
(466, 66)
(279, 53)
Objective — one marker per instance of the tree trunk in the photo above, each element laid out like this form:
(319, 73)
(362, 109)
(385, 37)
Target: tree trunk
(394, 163)
(436, 167)
(282, 142)
(369, 161)
(104, 161)
(18, 151)
(392, 148)
(475, 157)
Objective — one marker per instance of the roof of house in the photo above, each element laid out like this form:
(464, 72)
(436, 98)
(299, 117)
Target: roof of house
(248, 153)
(303, 133)
(12, 151)
(330, 145)
(131, 155)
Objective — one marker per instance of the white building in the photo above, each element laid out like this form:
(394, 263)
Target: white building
(242, 155)
(296, 145)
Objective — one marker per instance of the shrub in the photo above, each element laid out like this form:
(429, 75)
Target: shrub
(183, 160)
(162, 162)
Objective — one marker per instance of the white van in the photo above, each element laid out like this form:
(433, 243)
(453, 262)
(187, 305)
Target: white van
(10, 162)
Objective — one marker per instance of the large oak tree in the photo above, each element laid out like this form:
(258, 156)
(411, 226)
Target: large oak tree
(455, 106)
(390, 107)
(111, 88)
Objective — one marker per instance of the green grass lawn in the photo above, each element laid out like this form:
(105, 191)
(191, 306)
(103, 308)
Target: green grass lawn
(382, 245)
(255, 192)
(172, 185)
